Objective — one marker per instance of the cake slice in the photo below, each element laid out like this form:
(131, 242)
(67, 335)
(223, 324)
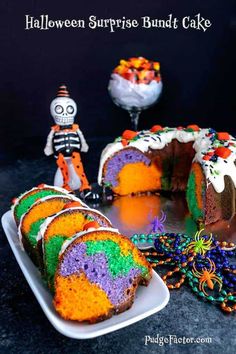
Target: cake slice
(22, 203)
(35, 216)
(63, 225)
(97, 276)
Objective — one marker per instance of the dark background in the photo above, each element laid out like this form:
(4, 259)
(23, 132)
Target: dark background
(198, 68)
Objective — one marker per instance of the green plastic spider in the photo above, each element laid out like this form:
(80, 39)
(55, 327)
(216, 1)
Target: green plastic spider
(200, 244)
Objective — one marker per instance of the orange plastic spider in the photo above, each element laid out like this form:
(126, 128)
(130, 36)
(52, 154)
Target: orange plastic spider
(207, 276)
(200, 244)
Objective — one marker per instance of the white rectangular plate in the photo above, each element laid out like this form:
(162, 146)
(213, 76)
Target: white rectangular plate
(148, 301)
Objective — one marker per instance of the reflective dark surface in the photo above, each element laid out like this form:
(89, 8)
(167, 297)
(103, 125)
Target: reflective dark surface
(135, 214)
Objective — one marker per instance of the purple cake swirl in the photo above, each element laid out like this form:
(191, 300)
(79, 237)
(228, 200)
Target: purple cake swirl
(97, 276)
(123, 157)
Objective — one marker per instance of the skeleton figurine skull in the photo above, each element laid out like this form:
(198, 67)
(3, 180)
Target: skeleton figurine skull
(66, 141)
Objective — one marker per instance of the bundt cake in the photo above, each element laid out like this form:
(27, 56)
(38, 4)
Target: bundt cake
(34, 217)
(22, 203)
(198, 161)
(61, 226)
(97, 276)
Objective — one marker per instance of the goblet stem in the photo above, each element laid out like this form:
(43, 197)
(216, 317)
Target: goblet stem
(134, 115)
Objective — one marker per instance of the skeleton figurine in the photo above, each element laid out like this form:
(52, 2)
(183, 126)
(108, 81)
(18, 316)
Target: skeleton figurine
(66, 141)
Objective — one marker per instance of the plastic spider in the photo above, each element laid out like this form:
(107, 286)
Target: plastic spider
(200, 244)
(158, 223)
(207, 276)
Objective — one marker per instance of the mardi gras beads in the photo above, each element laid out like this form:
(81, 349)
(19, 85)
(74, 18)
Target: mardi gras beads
(206, 274)
(230, 297)
(203, 262)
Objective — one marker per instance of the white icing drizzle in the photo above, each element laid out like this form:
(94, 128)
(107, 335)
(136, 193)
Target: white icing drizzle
(214, 170)
(20, 234)
(67, 242)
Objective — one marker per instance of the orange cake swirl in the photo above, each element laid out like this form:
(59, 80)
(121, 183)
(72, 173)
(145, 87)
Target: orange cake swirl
(98, 273)
(35, 216)
(22, 203)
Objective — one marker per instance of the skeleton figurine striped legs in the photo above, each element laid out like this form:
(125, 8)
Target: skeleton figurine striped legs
(65, 141)
(78, 167)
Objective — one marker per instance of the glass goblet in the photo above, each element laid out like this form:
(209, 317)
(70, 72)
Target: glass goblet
(133, 97)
